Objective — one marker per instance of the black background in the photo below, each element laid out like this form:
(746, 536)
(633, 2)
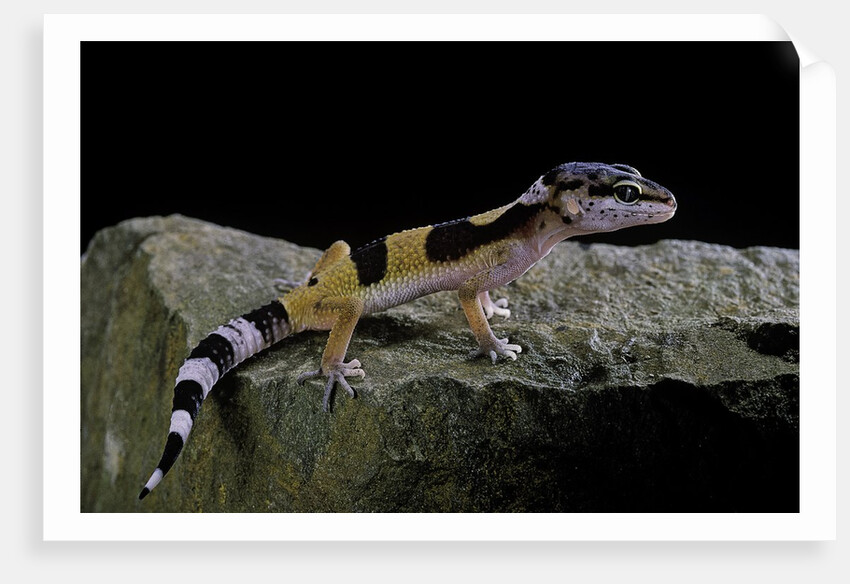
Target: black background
(317, 141)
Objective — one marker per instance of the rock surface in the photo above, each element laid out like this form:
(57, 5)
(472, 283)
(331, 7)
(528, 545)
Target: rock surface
(656, 378)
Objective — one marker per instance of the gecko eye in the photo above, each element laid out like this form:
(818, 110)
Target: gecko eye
(627, 192)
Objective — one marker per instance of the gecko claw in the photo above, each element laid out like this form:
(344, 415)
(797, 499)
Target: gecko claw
(307, 375)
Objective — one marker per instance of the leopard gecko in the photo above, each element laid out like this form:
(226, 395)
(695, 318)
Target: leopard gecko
(471, 256)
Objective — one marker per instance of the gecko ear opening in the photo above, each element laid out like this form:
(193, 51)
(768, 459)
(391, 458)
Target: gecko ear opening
(573, 207)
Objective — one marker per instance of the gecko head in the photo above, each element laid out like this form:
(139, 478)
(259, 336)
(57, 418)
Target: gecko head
(593, 197)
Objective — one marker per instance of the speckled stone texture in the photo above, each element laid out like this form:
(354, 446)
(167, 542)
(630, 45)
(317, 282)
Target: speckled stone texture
(655, 378)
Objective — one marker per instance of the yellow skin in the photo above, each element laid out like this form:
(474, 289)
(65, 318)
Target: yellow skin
(472, 256)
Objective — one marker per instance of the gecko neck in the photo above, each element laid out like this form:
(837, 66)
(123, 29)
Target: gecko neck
(551, 229)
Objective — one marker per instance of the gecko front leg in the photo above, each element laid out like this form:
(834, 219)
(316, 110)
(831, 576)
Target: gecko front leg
(347, 311)
(470, 295)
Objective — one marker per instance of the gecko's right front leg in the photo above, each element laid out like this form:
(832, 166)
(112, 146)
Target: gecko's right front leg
(470, 295)
(347, 312)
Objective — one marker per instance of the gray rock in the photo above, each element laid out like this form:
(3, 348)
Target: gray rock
(654, 378)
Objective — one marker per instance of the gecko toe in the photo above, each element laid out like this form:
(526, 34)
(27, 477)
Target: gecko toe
(326, 399)
(336, 374)
(500, 308)
(497, 348)
(307, 375)
(350, 390)
(509, 348)
(333, 378)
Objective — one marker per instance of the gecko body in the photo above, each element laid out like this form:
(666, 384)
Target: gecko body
(471, 256)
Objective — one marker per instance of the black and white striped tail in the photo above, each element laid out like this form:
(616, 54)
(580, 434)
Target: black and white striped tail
(214, 356)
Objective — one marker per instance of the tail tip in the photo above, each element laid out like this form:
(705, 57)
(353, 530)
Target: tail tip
(144, 493)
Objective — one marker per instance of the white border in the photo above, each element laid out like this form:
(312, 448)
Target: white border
(401, 27)
(62, 519)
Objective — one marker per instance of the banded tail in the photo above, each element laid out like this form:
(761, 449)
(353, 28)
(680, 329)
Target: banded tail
(214, 356)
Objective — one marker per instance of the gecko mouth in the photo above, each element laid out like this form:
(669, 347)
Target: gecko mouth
(657, 215)
(638, 219)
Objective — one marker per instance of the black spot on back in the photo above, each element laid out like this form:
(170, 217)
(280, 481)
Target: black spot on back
(453, 240)
(371, 262)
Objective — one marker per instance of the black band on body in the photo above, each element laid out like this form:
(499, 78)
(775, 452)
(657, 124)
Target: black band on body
(371, 262)
(453, 240)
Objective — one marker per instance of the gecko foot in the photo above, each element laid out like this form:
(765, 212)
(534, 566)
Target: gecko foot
(496, 348)
(336, 374)
(499, 307)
